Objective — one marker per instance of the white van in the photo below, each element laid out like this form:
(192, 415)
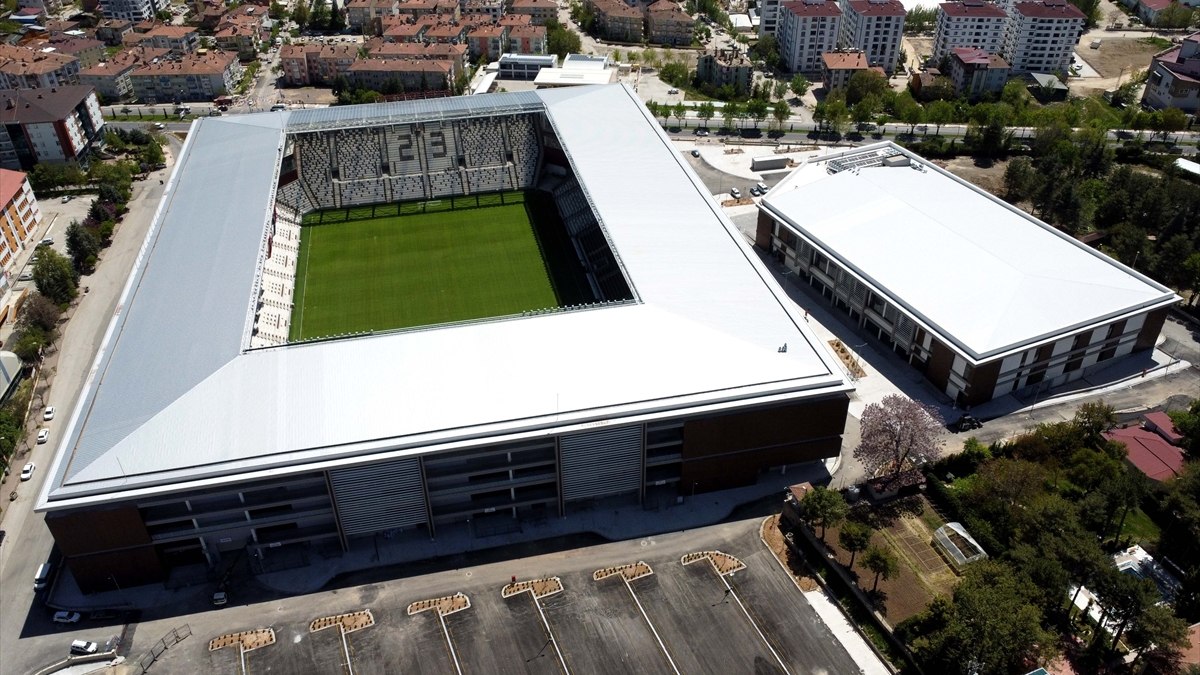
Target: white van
(43, 576)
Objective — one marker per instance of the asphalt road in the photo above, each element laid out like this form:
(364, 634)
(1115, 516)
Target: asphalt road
(27, 637)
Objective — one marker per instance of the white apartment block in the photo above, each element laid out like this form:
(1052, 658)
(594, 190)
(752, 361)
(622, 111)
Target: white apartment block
(130, 10)
(807, 29)
(1042, 35)
(969, 24)
(875, 27)
(768, 17)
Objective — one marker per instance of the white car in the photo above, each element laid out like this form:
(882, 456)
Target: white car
(49, 413)
(27, 472)
(66, 617)
(43, 436)
(735, 193)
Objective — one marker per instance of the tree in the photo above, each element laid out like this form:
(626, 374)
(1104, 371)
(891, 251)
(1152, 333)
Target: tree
(277, 11)
(854, 537)
(318, 14)
(823, 507)
(897, 434)
(300, 13)
(1092, 420)
(781, 111)
(799, 85)
(836, 114)
(1175, 15)
(82, 246)
(55, 277)
(882, 561)
(1158, 635)
(679, 112)
(990, 627)
(780, 88)
(865, 83)
(766, 50)
(920, 19)
(1172, 120)
(706, 111)
(729, 113)
(561, 40)
(337, 20)
(908, 110)
(757, 110)
(38, 313)
(1020, 180)
(939, 113)
(864, 111)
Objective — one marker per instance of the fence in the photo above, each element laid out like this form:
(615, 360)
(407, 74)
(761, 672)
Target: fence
(175, 636)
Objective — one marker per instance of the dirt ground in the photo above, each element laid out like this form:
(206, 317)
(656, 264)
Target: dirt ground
(793, 563)
(1132, 54)
(989, 177)
(921, 576)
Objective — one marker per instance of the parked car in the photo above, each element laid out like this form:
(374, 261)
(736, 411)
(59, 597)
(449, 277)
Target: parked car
(220, 598)
(48, 414)
(66, 617)
(83, 648)
(695, 153)
(672, 91)
(754, 191)
(66, 198)
(735, 193)
(27, 471)
(159, 125)
(966, 422)
(25, 276)
(214, 113)
(762, 188)
(43, 436)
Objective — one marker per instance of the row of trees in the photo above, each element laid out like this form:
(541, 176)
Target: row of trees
(756, 110)
(825, 508)
(319, 15)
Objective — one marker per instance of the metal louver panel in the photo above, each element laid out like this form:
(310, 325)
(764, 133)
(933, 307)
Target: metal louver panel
(601, 463)
(379, 497)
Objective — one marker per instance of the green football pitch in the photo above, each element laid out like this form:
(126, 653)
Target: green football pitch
(357, 274)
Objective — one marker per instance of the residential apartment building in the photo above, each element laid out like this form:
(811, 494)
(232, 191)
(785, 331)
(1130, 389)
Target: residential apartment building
(298, 64)
(493, 9)
(55, 125)
(527, 39)
(726, 67)
(838, 67)
(455, 54)
(667, 24)
(538, 11)
(24, 68)
(408, 74)
(132, 10)
(487, 41)
(1042, 35)
(768, 17)
(367, 14)
(874, 27)
(112, 31)
(20, 217)
(617, 21)
(975, 24)
(87, 51)
(976, 73)
(178, 39)
(807, 29)
(111, 78)
(1174, 78)
(195, 77)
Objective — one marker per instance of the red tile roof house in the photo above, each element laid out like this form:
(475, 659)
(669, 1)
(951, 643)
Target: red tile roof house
(1148, 448)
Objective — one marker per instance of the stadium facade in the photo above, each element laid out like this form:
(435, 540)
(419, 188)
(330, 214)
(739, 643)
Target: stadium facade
(980, 296)
(203, 434)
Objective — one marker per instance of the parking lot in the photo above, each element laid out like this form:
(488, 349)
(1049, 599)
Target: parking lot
(669, 618)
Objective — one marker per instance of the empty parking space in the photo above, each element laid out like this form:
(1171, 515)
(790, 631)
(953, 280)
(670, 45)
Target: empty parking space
(401, 644)
(793, 628)
(500, 635)
(599, 629)
(705, 630)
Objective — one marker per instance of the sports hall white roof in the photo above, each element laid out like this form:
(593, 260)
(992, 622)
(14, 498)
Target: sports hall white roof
(176, 399)
(982, 274)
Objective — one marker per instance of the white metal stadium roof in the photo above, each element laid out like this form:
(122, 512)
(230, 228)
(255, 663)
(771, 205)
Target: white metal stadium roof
(174, 398)
(984, 275)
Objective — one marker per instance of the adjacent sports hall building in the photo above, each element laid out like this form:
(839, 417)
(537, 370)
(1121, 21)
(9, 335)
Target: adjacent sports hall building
(204, 432)
(983, 298)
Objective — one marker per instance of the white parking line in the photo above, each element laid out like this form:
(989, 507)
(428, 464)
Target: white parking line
(753, 623)
(549, 632)
(651, 625)
(449, 643)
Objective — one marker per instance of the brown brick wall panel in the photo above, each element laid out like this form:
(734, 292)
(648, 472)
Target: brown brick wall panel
(764, 427)
(983, 382)
(116, 570)
(1150, 330)
(941, 360)
(84, 532)
(742, 469)
(762, 236)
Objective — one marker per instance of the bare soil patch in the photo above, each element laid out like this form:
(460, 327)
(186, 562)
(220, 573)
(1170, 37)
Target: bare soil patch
(445, 605)
(539, 587)
(987, 177)
(631, 571)
(349, 622)
(248, 640)
(1116, 53)
(772, 536)
(723, 563)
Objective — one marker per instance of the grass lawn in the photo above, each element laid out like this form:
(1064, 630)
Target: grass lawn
(414, 270)
(1140, 528)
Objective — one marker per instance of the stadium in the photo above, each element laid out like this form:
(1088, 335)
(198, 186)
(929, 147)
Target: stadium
(424, 318)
